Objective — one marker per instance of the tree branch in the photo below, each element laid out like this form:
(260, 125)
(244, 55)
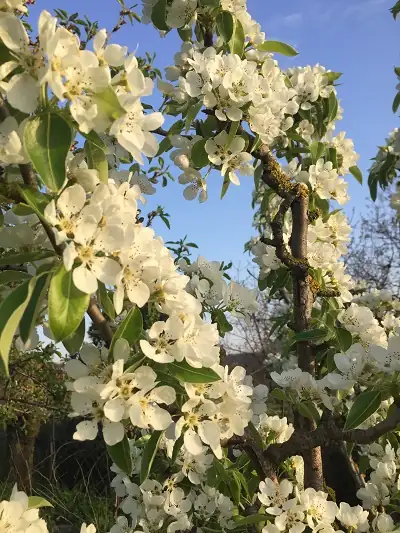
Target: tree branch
(100, 321)
(300, 444)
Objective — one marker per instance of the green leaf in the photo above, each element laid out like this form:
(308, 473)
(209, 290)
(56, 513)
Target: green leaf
(10, 276)
(108, 103)
(256, 436)
(250, 520)
(47, 140)
(26, 257)
(199, 155)
(73, 343)
(310, 335)
(279, 394)
(278, 47)
(333, 76)
(225, 24)
(36, 200)
(95, 139)
(166, 221)
(11, 311)
(149, 454)
(176, 449)
(316, 150)
(395, 10)
(159, 15)
(282, 275)
(344, 337)
(263, 284)
(120, 453)
(105, 301)
(176, 127)
(67, 305)
(28, 320)
(373, 187)
(188, 374)
(332, 156)
(210, 3)
(308, 410)
(234, 486)
(225, 186)
(333, 107)
(396, 102)
(365, 405)
(164, 146)
(130, 328)
(236, 44)
(192, 114)
(22, 210)
(185, 34)
(208, 126)
(223, 325)
(36, 502)
(397, 71)
(356, 172)
(97, 160)
(232, 132)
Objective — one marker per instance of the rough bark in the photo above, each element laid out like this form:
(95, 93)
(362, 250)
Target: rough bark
(22, 449)
(302, 307)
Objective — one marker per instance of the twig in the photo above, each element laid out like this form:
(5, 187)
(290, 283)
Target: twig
(300, 444)
(100, 321)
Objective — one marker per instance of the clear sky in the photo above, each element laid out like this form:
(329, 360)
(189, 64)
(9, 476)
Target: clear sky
(356, 37)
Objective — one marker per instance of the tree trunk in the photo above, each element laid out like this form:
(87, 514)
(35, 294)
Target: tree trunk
(22, 452)
(302, 307)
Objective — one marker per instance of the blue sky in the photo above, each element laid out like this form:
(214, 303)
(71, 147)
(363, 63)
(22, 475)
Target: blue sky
(356, 37)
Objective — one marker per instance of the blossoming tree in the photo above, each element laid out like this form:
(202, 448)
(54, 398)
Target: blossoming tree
(195, 446)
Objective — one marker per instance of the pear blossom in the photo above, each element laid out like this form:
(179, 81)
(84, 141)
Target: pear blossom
(354, 517)
(11, 148)
(108, 54)
(273, 496)
(196, 185)
(144, 410)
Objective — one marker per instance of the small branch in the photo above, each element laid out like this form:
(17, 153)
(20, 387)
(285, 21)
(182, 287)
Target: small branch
(208, 37)
(161, 131)
(100, 321)
(262, 464)
(300, 444)
(328, 293)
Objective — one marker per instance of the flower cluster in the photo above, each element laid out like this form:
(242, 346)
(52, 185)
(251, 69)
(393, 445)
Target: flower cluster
(295, 510)
(208, 283)
(102, 88)
(17, 516)
(384, 476)
(360, 321)
(20, 514)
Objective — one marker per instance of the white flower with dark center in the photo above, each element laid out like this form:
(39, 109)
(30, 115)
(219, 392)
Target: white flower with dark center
(198, 427)
(319, 511)
(161, 339)
(387, 359)
(134, 280)
(273, 495)
(144, 409)
(196, 185)
(180, 12)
